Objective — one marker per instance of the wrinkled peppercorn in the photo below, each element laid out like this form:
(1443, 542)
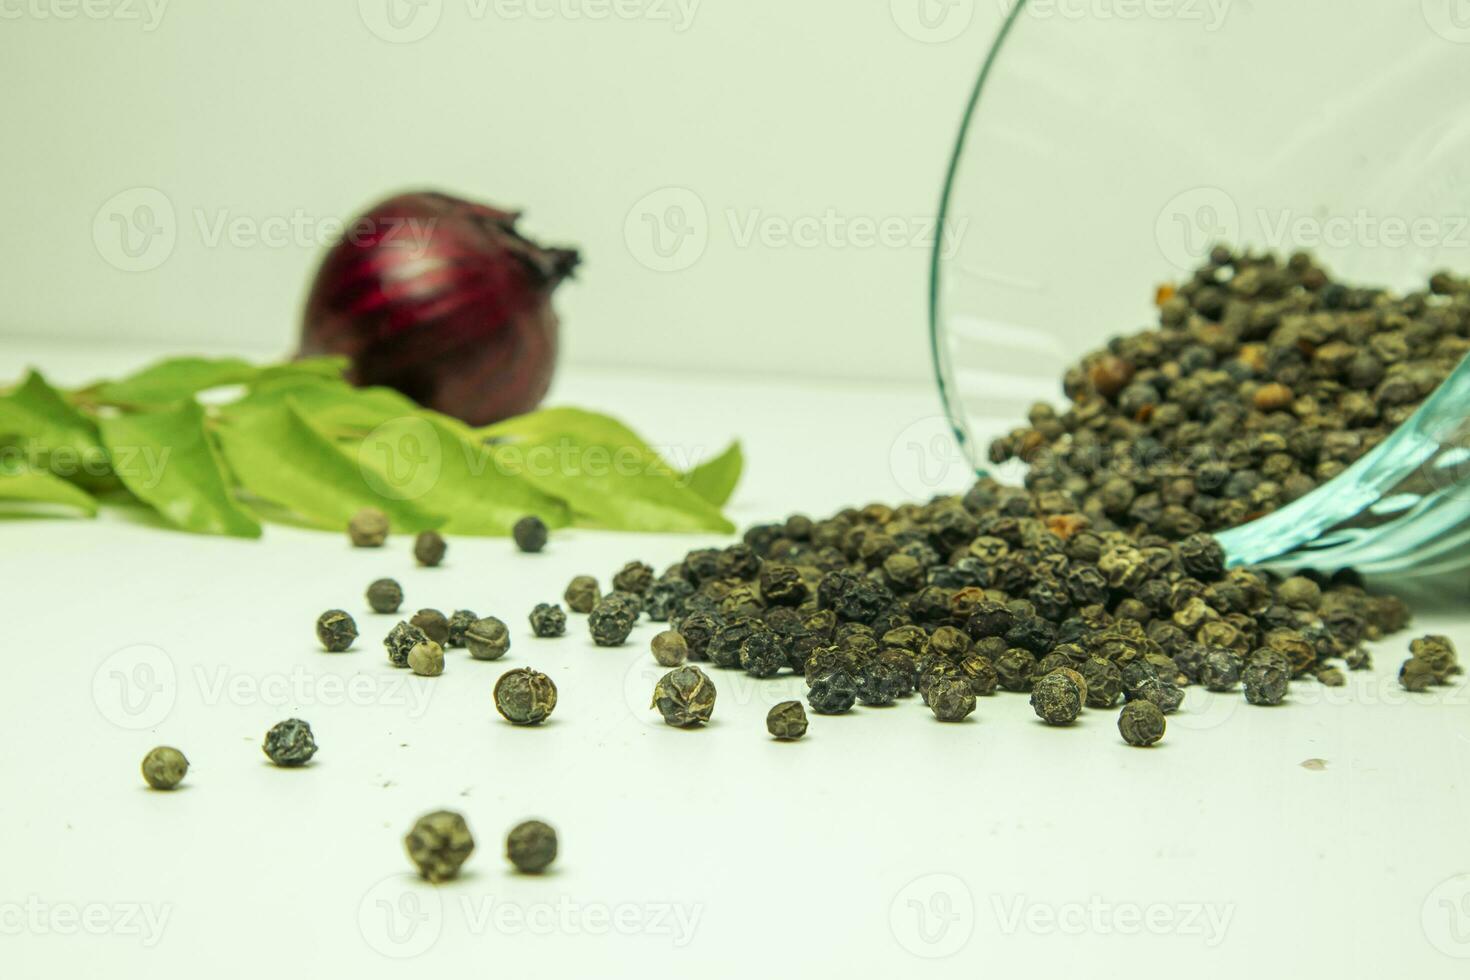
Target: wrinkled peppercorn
(336, 630)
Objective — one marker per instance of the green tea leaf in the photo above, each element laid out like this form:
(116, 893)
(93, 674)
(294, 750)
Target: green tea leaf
(332, 405)
(279, 454)
(38, 423)
(168, 461)
(174, 380)
(715, 480)
(22, 484)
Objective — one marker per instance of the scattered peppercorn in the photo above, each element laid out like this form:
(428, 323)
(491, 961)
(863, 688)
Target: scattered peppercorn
(635, 577)
(401, 640)
(832, 693)
(524, 696)
(1141, 723)
(426, 659)
(951, 698)
(548, 621)
(685, 697)
(164, 767)
(290, 743)
(787, 720)
(459, 623)
(434, 624)
(336, 630)
(439, 844)
(368, 528)
(582, 594)
(487, 639)
(385, 596)
(530, 534)
(611, 621)
(1056, 699)
(429, 548)
(531, 847)
(670, 649)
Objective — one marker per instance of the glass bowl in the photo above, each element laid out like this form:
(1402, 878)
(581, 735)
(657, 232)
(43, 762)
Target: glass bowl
(1107, 146)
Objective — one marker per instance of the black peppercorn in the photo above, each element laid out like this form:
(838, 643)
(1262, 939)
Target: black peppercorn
(530, 534)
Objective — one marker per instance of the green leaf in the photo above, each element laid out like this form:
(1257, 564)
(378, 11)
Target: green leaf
(25, 485)
(282, 456)
(168, 461)
(456, 475)
(611, 478)
(37, 422)
(715, 480)
(332, 405)
(174, 380)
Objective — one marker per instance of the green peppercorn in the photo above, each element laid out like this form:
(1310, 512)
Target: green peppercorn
(487, 639)
(524, 696)
(530, 534)
(336, 630)
(164, 767)
(439, 844)
(426, 659)
(429, 548)
(951, 698)
(459, 623)
(1057, 698)
(582, 594)
(685, 697)
(531, 847)
(385, 596)
(290, 743)
(434, 624)
(611, 621)
(401, 640)
(1141, 723)
(670, 649)
(548, 621)
(787, 720)
(368, 528)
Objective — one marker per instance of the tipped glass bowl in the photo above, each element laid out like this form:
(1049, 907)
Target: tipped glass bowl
(1106, 147)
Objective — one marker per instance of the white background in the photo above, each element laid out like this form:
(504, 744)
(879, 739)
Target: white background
(883, 844)
(768, 122)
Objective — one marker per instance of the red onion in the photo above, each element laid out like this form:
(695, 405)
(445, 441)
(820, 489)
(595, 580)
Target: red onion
(443, 300)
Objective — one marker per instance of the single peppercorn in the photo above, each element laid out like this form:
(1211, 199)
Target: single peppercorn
(426, 659)
(524, 696)
(685, 697)
(1141, 723)
(548, 621)
(762, 654)
(670, 649)
(582, 594)
(787, 720)
(1265, 682)
(439, 844)
(401, 640)
(951, 698)
(530, 534)
(832, 693)
(611, 621)
(336, 630)
(1104, 682)
(165, 767)
(429, 548)
(1056, 699)
(459, 623)
(385, 596)
(487, 639)
(531, 847)
(1220, 670)
(1416, 675)
(635, 577)
(368, 528)
(434, 624)
(290, 743)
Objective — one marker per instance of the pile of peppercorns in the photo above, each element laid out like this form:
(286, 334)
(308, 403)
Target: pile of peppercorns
(996, 590)
(1262, 381)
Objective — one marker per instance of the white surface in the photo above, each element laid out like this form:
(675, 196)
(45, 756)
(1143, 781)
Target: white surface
(788, 133)
(1024, 848)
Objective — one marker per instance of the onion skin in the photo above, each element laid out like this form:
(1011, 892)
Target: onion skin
(443, 300)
